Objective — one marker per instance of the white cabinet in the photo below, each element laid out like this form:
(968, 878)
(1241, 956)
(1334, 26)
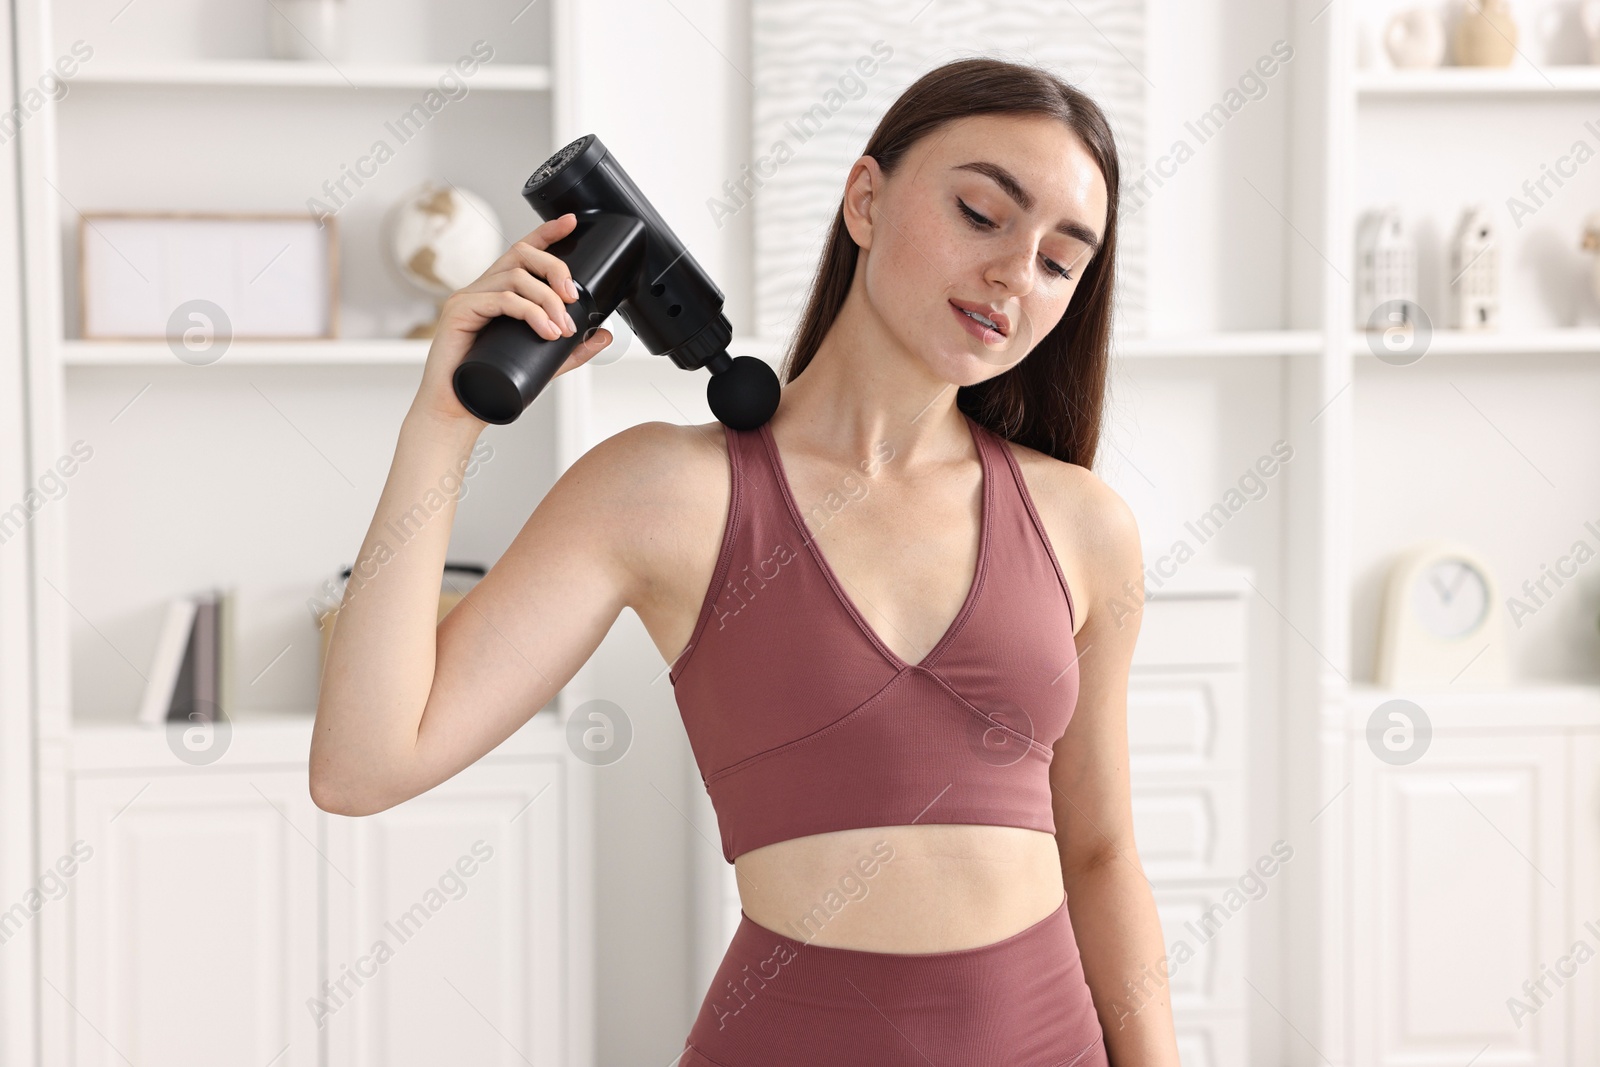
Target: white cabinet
(215, 902)
(1460, 865)
(1473, 871)
(453, 899)
(214, 915)
(1583, 811)
(193, 912)
(1186, 751)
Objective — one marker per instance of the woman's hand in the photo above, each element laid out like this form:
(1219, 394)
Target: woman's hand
(527, 283)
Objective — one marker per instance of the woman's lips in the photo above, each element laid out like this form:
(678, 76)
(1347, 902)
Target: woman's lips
(977, 329)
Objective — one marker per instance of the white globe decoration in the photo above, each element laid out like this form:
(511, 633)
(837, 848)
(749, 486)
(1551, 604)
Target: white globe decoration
(441, 239)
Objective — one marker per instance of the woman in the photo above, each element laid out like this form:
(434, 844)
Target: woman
(881, 611)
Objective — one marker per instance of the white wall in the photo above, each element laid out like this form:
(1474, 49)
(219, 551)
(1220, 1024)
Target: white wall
(1178, 435)
(666, 87)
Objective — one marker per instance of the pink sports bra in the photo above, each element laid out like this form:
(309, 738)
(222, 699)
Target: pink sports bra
(803, 721)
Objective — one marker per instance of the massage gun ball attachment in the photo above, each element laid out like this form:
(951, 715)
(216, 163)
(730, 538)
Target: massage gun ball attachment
(623, 258)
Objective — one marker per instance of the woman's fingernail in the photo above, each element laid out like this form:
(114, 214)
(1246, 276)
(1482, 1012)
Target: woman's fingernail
(571, 289)
(570, 324)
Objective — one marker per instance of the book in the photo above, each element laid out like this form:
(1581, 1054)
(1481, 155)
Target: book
(164, 681)
(202, 705)
(192, 674)
(227, 616)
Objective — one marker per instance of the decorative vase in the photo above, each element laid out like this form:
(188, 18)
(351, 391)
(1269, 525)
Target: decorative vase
(1415, 38)
(306, 29)
(1486, 36)
(1589, 19)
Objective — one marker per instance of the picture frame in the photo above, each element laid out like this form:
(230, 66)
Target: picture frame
(274, 275)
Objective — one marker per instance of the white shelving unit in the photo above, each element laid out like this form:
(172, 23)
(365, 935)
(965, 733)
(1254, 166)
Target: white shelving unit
(149, 90)
(1457, 444)
(177, 108)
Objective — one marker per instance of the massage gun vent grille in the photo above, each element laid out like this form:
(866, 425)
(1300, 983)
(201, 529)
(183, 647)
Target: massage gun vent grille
(552, 166)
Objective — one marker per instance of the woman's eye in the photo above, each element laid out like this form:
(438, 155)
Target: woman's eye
(978, 222)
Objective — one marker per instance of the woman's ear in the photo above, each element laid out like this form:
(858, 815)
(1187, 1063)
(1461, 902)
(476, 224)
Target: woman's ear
(860, 197)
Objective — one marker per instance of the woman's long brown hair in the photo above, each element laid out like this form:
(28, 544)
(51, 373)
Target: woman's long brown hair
(1053, 399)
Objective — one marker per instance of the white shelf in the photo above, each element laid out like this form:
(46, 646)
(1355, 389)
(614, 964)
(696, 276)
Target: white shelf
(1182, 346)
(345, 352)
(277, 73)
(77, 353)
(1200, 581)
(1235, 343)
(1228, 343)
(1584, 341)
(1540, 705)
(260, 739)
(264, 737)
(335, 353)
(1477, 81)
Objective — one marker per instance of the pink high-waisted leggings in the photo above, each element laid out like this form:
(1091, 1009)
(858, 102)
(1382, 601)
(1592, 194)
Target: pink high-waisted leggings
(1018, 1002)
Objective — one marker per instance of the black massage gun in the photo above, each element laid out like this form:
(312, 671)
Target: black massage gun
(623, 258)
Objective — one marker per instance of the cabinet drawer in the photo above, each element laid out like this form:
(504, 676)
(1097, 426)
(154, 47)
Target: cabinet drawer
(1190, 721)
(1191, 631)
(1210, 1039)
(1189, 825)
(1207, 944)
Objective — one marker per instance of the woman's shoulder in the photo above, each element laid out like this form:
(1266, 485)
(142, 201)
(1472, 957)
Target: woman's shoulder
(656, 453)
(651, 470)
(1076, 495)
(663, 490)
(1093, 530)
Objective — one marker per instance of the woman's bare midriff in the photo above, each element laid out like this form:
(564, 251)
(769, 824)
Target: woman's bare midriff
(913, 888)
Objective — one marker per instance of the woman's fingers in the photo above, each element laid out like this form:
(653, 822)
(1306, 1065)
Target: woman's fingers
(548, 233)
(529, 254)
(547, 266)
(523, 283)
(471, 308)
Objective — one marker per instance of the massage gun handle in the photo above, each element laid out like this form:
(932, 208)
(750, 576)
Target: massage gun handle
(509, 364)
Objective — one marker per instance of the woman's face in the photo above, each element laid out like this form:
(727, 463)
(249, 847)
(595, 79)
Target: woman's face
(1000, 214)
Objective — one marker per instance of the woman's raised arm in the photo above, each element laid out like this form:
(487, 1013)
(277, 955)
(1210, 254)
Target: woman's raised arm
(405, 703)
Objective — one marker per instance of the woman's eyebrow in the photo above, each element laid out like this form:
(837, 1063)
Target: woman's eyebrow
(1013, 188)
